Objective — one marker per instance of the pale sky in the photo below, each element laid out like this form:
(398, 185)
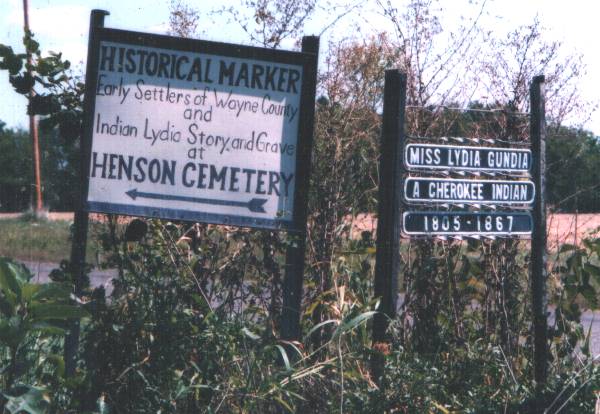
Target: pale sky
(62, 25)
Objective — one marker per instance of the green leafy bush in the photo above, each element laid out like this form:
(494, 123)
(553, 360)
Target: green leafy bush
(32, 317)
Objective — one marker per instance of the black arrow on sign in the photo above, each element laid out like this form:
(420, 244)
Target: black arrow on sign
(255, 205)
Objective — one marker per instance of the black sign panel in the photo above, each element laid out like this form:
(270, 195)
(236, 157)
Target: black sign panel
(466, 158)
(439, 190)
(462, 223)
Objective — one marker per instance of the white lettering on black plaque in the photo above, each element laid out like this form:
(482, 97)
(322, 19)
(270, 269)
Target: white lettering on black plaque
(433, 223)
(449, 157)
(430, 190)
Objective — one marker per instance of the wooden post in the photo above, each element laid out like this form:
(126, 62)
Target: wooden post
(37, 202)
(538, 240)
(79, 244)
(389, 205)
(295, 254)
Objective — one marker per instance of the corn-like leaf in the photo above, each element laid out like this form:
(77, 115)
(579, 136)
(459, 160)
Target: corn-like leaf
(8, 281)
(54, 291)
(319, 326)
(284, 404)
(284, 356)
(352, 323)
(48, 328)
(45, 311)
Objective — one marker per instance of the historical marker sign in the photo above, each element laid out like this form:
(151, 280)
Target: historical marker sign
(194, 130)
(456, 223)
(439, 190)
(466, 158)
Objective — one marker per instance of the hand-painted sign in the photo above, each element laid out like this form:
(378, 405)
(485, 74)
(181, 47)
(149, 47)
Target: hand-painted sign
(466, 158)
(194, 130)
(439, 190)
(456, 223)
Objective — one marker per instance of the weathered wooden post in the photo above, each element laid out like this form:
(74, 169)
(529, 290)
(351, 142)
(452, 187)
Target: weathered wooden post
(389, 220)
(176, 148)
(539, 237)
(80, 224)
(296, 252)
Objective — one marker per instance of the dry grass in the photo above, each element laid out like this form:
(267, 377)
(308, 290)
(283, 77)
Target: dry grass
(46, 240)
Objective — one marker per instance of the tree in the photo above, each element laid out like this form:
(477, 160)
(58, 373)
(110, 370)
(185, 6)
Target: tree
(16, 172)
(268, 23)
(525, 52)
(573, 177)
(58, 100)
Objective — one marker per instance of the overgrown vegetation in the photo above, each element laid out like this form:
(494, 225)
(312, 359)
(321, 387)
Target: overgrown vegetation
(192, 324)
(39, 240)
(184, 333)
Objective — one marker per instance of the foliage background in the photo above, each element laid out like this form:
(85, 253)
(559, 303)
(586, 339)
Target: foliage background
(192, 324)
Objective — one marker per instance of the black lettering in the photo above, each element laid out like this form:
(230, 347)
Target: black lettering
(130, 65)
(125, 166)
(154, 171)
(168, 172)
(181, 60)
(249, 174)
(162, 66)
(217, 177)
(196, 69)
(294, 77)
(226, 71)
(270, 78)
(260, 182)
(201, 175)
(286, 181)
(257, 72)
(107, 58)
(95, 164)
(184, 180)
(112, 165)
(273, 182)
(233, 180)
(141, 177)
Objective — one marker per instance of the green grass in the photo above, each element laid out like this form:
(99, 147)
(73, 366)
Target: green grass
(38, 240)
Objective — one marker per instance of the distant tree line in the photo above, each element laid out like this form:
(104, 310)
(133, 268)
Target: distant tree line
(573, 169)
(59, 176)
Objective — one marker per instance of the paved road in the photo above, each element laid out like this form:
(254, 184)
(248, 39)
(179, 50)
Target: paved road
(98, 277)
(103, 278)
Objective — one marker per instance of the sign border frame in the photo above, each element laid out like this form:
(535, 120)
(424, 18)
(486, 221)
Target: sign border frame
(307, 61)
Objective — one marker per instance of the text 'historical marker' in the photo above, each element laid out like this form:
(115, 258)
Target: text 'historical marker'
(194, 130)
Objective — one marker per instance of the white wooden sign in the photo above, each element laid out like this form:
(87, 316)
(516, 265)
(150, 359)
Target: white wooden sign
(195, 131)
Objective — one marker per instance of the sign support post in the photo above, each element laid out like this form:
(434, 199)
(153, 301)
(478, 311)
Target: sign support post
(538, 240)
(80, 224)
(296, 252)
(200, 131)
(389, 219)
